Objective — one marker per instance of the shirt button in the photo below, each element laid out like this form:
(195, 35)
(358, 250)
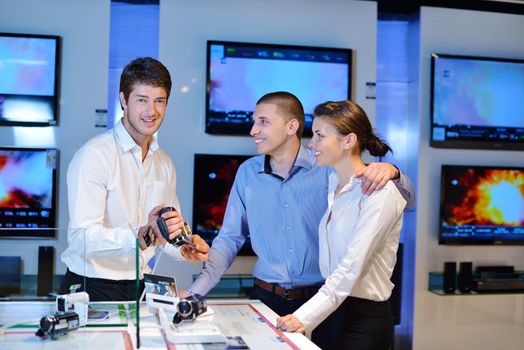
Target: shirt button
(288, 228)
(285, 205)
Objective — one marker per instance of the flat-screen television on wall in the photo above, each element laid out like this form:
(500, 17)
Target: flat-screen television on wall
(481, 205)
(238, 74)
(29, 79)
(476, 102)
(28, 192)
(213, 179)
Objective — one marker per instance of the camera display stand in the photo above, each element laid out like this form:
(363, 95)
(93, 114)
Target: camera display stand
(190, 331)
(156, 302)
(77, 302)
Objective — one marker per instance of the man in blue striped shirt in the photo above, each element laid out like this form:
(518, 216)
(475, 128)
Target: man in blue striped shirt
(278, 199)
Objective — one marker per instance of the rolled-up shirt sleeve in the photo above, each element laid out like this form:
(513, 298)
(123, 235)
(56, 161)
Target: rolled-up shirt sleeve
(405, 187)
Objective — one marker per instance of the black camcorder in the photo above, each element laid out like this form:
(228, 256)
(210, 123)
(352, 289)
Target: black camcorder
(182, 238)
(58, 324)
(190, 308)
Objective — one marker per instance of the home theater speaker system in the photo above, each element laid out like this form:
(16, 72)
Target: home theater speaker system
(465, 277)
(46, 257)
(450, 276)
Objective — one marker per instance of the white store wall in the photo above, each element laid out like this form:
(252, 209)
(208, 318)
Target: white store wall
(475, 321)
(84, 28)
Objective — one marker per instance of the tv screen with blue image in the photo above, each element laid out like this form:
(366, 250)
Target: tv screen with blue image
(29, 71)
(476, 102)
(238, 74)
(481, 205)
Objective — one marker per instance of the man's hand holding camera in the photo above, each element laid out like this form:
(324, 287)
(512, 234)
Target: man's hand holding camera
(192, 247)
(173, 223)
(196, 251)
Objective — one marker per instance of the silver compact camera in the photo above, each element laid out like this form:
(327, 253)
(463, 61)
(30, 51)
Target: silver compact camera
(190, 308)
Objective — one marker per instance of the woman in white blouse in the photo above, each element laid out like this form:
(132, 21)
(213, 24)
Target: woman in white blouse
(358, 235)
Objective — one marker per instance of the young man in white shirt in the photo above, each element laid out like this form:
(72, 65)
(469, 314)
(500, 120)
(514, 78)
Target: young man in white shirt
(117, 184)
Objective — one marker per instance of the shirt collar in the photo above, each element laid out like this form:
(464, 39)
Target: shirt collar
(303, 159)
(126, 141)
(333, 183)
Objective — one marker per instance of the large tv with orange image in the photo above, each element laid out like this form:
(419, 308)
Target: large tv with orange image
(28, 192)
(482, 205)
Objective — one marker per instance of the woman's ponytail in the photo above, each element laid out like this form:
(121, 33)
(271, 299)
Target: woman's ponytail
(376, 146)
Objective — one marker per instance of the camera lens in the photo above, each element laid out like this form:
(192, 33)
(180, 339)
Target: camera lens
(180, 240)
(184, 308)
(47, 323)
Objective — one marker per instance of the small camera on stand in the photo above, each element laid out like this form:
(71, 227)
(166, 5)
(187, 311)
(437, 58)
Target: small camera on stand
(58, 324)
(190, 308)
(77, 302)
(186, 327)
(182, 238)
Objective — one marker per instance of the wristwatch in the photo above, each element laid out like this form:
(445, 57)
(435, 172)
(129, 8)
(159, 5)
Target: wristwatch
(147, 237)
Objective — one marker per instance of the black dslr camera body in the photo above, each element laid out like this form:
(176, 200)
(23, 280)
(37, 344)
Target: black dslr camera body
(181, 239)
(190, 308)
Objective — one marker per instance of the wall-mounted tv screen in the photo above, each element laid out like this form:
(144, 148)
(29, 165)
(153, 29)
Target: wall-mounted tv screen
(29, 79)
(28, 192)
(481, 205)
(238, 74)
(214, 176)
(476, 102)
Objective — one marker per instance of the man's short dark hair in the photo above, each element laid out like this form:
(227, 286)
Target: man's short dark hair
(144, 70)
(289, 105)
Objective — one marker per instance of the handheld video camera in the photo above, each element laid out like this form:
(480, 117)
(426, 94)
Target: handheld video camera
(189, 308)
(77, 302)
(182, 238)
(58, 324)
(67, 302)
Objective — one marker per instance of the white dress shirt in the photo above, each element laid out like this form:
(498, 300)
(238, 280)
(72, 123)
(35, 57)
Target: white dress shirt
(110, 194)
(357, 248)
